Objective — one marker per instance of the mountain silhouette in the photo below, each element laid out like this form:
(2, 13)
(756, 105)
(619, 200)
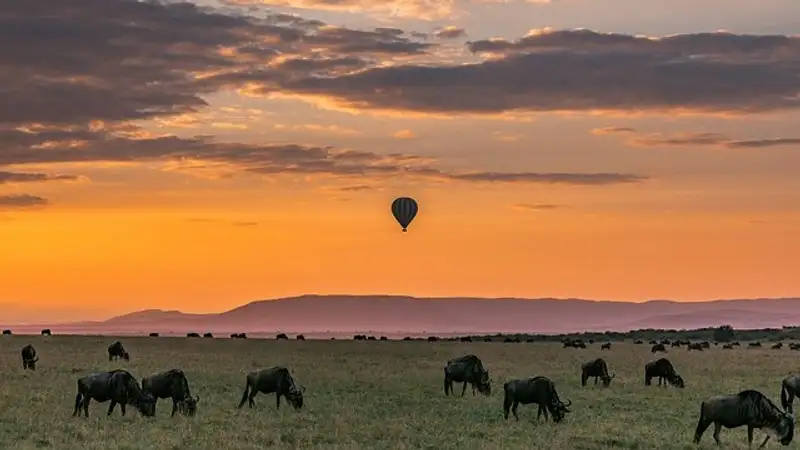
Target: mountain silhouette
(385, 314)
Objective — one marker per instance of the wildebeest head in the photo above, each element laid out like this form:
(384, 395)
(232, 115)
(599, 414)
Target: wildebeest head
(146, 404)
(607, 379)
(676, 381)
(484, 385)
(126, 356)
(784, 429)
(295, 397)
(189, 406)
(559, 409)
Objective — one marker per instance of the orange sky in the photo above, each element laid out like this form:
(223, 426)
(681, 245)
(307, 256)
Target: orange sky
(107, 206)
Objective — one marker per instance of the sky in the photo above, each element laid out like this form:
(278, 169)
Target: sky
(198, 156)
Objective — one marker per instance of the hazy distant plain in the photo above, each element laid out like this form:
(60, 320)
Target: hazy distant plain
(370, 394)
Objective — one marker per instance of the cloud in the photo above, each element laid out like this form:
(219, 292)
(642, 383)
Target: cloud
(581, 70)
(413, 9)
(694, 139)
(613, 130)
(29, 177)
(357, 187)
(404, 134)
(537, 206)
(450, 32)
(21, 201)
(244, 224)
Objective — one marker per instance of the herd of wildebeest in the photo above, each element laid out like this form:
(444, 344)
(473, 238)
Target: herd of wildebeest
(748, 408)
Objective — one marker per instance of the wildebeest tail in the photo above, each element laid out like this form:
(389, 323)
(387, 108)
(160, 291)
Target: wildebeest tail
(78, 400)
(787, 396)
(244, 395)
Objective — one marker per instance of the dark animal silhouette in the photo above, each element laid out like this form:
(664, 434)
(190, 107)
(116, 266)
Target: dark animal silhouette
(705, 344)
(47, 332)
(193, 335)
(539, 390)
(659, 348)
(371, 338)
(662, 368)
(794, 346)
(239, 336)
(638, 341)
(384, 338)
(777, 346)
(116, 350)
(606, 346)
(675, 344)
(727, 347)
(6, 332)
(208, 335)
(596, 368)
(465, 339)
(275, 379)
(29, 357)
(433, 339)
(360, 337)
(153, 334)
(694, 347)
(790, 387)
(755, 344)
(300, 337)
(282, 337)
(172, 384)
(467, 369)
(119, 386)
(750, 408)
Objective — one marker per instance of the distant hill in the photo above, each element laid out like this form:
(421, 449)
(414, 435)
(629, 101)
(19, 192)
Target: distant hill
(393, 315)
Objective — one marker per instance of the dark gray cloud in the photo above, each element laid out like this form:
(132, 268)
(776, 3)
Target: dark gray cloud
(761, 143)
(450, 33)
(28, 177)
(613, 130)
(689, 139)
(538, 206)
(21, 201)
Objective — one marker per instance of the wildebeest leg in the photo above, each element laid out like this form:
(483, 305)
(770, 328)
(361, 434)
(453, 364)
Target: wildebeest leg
(718, 428)
(464, 389)
(646, 380)
(702, 426)
(595, 381)
(278, 400)
(122, 407)
(514, 410)
(78, 401)
(253, 394)
(448, 385)
(506, 405)
(174, 407)
(765, 442)
(749, 437)
(86, 400)
(244, 395)
(111, 407)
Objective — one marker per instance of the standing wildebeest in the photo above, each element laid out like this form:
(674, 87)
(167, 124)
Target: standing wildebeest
(662, 369)
(208, 335)
(749, 408)
(539, 390)
(276, 379)
(116, 350)
(675, 344)
(6, 332)
(282, 337)
(172, 384)
(606, 346)
(694, 346)
(29, 357)
(467, 369)
(239, 336)
(659, 348)
(384, 338)
(465, 339)
(153, 334)
(596, 368)
(790, 387)
(300, 337)
(433, 338)
(192, 335)
(47, 332)
(119, 386)
(777, 346)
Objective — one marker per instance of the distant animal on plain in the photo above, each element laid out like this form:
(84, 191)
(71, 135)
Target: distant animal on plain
(239, 336)
(47, 332)
(6, 332)
(537, 390)
(638, 341)
(433, 338)
(663, 369)
(606, 346)
(794, 346)
(276, 380)
(153, 334)
(755, 344)
(371, 338)
(777, 346)
(192, 335)
(675, 344)
(116, 350)
(658, 348)
(384, 338)
(467, 369)
(208, 335)
(29, 357)
(750, 408)
(119, 386)
(705, 344)
(172, 384)
(282, 337)
(727, 347)
(790, 387)
(300, 337)
(596, 368)
(695, 346)
(465, 339)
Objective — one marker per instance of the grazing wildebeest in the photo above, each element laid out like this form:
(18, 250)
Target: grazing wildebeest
(596, 368)
(659, 348)
(239, 336)
(794, 346)
(675, 344)
(116, 350)
(777, 346)
(662, 369)
(705, 344)
(384, 338)
(300, 337)
(153, 334)
(371, 338)
(790, 387)
(407, 338)
(119, 386)
(755, 344)
(208, 335)
(6, 332)
(192, 335)
(29, 357)
(465, 339)
(638, 341)
(695, 347)
(47, 332)
(467, 369)
(172, 384)
(567, 343)
(433, 339)
(282, 337)
(606, 346)
(487, 339)
(539, 390)
(360, 337)
(749, 407)
(276, 379)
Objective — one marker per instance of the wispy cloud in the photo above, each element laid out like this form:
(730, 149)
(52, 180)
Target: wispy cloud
(537, 206)
(21, 201)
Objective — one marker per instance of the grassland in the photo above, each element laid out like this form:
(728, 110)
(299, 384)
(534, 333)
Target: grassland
(371, 395)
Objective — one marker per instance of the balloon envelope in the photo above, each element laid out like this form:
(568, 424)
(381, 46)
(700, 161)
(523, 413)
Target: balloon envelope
(404, 209)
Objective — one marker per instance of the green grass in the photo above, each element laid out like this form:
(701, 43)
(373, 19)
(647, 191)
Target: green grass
(371, 395)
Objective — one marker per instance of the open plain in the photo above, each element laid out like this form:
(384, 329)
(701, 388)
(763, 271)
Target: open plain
(373, 395)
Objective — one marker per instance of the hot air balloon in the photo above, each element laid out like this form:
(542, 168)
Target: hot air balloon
(404, 210)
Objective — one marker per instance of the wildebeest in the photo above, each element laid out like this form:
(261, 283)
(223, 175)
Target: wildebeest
(465, 339)
(659, 348)
(300, 337)
(727, 347)
(705, 344)
(794, 346)
(116, 350)
(790, 387)
(384, 338)
(539, 390)
(749, 407)
(676, 344)
(192, 335)
(755, 344)
(695, 346)
(433, 338)
(275, 379)
(6, 332)
(282, 337)
(29, 357)
(638, 341)
(47, 332)
(467, 369)
(360, 337)
(172, 384)
(119, 386)
(777, 346)
(662, 368)
(371, 338)
(208, 335)
(596, 368)
(239, 336)
(606, 346)
(153, 334)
